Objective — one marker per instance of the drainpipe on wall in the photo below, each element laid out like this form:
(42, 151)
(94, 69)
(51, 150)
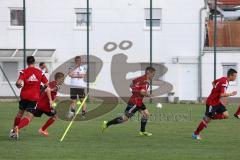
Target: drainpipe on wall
(200, 52)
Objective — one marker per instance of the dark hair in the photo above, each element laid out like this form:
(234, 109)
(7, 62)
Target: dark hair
(58, 75)
(231, 72)
(77, 57)
(41, 64)
(150, 69)
(30, 60)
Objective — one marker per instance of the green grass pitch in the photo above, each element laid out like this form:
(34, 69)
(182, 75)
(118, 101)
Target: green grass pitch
(171, 126)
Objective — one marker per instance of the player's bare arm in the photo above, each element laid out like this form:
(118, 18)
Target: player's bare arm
(19, 83)
(234, 93)
(72, 75)
(71, 72)
(213, 84)
(224, 101)
(80, 76)
(48, 90)
(77, 76)
(145, 93)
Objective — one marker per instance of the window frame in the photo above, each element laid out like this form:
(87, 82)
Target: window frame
(76, 27)
(154, 28)
(19, 27)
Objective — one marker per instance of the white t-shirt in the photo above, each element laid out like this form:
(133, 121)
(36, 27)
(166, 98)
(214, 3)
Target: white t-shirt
(43, 70)
(79, 82)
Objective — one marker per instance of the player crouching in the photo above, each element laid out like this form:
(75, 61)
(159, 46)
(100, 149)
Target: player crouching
(44, 106)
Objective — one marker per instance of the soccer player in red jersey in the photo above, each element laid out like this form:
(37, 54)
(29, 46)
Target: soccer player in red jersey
(29, 80)
(139, 88)
(44, 105)
(215, 109)
(237, 114)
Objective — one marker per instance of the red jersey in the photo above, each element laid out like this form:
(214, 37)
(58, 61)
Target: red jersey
(32, 78)
(138, 84)
(43, 103)
(214, 98)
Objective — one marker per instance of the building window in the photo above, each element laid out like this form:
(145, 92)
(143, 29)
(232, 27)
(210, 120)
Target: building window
(81, 17)
(11, 71)
(228, 66)
(16, 17)
(156, 18)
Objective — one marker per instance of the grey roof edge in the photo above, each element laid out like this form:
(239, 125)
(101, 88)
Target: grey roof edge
(222, 49)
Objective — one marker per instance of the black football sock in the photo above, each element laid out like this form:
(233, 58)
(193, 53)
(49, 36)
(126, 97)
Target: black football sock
(143, 124)
(117, 120)
(73, 110)
(83, 112)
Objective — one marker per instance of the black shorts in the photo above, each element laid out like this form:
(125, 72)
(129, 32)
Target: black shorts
(27, 105)
(132, 109)
(38, 113)
(77, 93)
(211, 111)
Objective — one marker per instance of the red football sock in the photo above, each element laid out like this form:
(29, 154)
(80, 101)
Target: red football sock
(24, 122)
(17, 120)
(48, 123)
(238, 111)
(201, 126)
(219, 116)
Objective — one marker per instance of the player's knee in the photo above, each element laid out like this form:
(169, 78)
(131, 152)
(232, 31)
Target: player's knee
(125, 118)
(74, 101)
(207, 119)
(20, 113)
(55, 117)
(146, 115)
(226, 116)
(29, 116)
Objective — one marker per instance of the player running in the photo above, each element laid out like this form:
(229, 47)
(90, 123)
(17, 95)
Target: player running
(214, 107)
(237, 114)
(29, 80)
(44, 106)
(139, 88)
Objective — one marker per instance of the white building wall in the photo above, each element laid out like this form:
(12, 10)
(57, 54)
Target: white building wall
(51, 24)
(223, 57)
